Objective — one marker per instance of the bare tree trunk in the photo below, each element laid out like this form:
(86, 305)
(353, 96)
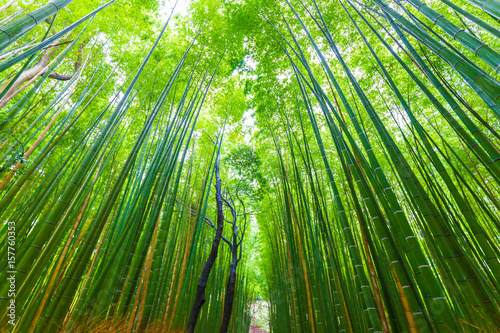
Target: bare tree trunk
(234, 245)
(39, 69)
(7, 5)
(231, 287)
(202, 284)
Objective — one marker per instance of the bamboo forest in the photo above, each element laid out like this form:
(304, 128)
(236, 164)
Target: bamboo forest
(246, 166)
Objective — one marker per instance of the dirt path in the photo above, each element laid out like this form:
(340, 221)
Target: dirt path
(255, 329)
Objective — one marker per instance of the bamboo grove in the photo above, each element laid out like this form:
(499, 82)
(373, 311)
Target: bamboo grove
(104, 239)
(357, 139)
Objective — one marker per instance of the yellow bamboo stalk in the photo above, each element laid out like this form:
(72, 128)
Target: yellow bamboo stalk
(304, 269)
(141, 292)
(55, 274)
(291, 279)
(406, 305)
(184, 264)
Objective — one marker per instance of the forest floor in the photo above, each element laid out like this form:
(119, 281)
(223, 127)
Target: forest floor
(255, 329)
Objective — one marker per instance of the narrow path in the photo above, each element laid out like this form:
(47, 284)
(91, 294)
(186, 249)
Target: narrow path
(260, 317)
(255, 329)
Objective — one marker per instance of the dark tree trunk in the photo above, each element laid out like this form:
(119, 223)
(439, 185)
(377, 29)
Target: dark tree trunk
(234, 245)
(202, 284)
(229, 300)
